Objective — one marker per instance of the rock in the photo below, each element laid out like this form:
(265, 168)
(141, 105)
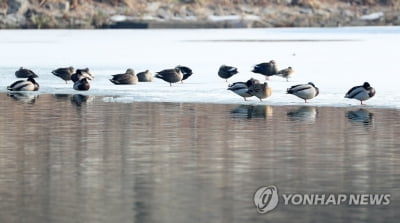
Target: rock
(13, 20)
(163, 14)
(17, 6)
(60, 6)
(152, 7)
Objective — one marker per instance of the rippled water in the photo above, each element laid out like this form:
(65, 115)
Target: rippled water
(74, 158)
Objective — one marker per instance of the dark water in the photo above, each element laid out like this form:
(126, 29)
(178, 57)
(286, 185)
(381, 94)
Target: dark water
(76, 159)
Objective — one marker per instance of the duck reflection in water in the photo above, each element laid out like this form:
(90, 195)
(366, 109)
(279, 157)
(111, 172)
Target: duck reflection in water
(24, 97)
(79, 99)
(360, 116)
(303, 114)
(252, 111)
(62, 96)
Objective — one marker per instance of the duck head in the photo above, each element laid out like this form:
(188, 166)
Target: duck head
(129, 71)
(366, 85)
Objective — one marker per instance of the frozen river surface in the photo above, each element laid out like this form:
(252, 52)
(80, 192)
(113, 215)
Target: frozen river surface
(334, 59)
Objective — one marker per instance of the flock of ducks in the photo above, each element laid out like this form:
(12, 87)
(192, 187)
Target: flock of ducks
(307, 91)
(252, 87)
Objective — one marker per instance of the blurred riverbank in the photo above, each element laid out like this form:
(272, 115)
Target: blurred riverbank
(196, 13)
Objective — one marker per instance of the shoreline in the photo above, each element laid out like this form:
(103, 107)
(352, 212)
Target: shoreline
(83, 97)
(58, 14)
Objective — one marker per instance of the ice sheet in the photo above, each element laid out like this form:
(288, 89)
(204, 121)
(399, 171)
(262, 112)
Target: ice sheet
(334, 59)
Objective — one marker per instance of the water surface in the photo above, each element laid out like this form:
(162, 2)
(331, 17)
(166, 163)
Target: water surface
(75, 158)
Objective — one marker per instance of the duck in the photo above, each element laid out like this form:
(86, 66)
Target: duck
(361, 93)
(267, 69)
(241, 89)
(64, 73)
(128, 77)
(304, 91)
(226, 72)
(186, 71)
(259, 90)
(25, 73)
(145, 76)
(170, 75)
(82, 73)
(286, 73)
(24, 85)
(82, 84)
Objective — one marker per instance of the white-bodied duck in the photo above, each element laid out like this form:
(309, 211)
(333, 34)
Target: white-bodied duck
(304, 91)
(242, 88)
(361, 93)
(24, 85)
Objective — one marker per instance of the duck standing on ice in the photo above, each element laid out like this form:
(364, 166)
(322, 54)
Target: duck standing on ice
(267, 69)
(242, 88)
(227, 72)
(361, 93)
(170, 75)
(304, 91)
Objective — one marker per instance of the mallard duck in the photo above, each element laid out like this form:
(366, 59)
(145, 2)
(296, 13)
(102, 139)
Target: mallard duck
(25, 73)
(261, 91)
(128, 77)
(241, 89)
(286, 73)
(145, 76)
(361, 93)
(186, 71)
(82, 73)
(170, 75)
(24, 85)
(82, 84)
(304, 91)
(64, 73)
(267, 69)
(226, 72)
